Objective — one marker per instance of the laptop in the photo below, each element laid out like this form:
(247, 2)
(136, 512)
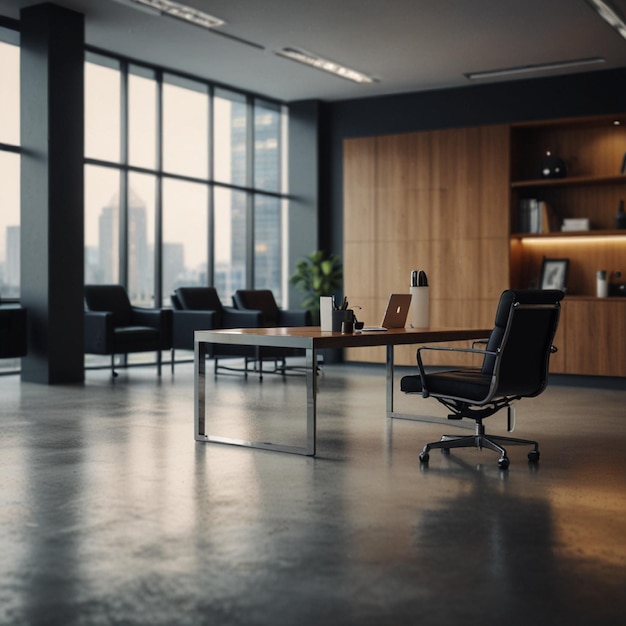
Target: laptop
(395, 314)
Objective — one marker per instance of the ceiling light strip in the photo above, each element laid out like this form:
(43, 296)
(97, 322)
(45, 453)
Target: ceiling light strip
(326, 65)
(528, 69)
(610, 15)
(177, 10)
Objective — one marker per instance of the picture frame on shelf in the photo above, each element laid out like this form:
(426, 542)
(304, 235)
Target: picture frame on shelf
(554, 274)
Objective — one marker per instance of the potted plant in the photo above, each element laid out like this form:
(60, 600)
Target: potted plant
(317, 275)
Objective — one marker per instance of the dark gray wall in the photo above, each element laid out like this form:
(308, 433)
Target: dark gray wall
(304, 189)
(52, 222)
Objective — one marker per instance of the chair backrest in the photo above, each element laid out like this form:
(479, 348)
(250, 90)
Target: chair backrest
(258, 299)
(111, 298)
(525, 325)
(200, 299)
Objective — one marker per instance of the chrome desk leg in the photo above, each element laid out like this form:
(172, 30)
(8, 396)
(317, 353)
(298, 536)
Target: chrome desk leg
(389, 381)
(200, 408)
(311, 401)
(200, 354)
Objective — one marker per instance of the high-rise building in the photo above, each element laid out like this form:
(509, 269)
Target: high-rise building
(11, 287)
(108, 236)
(140, 268)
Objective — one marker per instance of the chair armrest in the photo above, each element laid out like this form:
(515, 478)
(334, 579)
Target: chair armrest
(241, 318)
(294, 317)
(420, 363)
(186, 322)
(98, 332)
(142, 316)
(480, 342)
(161, 319)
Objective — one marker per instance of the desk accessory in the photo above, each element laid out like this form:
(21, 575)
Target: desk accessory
(326, 313)
(343, 317)
(602, 285)
(420, 300)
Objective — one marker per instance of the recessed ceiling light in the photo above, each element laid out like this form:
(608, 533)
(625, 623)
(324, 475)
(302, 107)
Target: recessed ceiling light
(529, 69)
(176, 10)
(308, 58)
(610, 15)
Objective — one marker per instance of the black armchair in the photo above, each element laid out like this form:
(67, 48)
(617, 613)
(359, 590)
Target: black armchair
(514, 366)
(271, 315)
(12, 331)
(200, 308)
(113, 326)
(263, 301)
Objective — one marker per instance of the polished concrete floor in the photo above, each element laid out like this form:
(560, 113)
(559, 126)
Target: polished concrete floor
(111, 514)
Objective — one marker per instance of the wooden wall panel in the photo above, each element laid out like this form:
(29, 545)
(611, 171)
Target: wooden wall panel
(359, 165)
(440, 202)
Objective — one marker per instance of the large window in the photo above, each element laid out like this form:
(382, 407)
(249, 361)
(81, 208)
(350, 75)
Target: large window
(183, 183)
(185, 229)
(9, 166)
(9, 175)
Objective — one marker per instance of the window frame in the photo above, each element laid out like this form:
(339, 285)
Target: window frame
(213, 91)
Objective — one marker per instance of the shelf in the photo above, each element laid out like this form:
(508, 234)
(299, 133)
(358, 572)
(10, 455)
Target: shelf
(582, 298)
(570, 181)
(571, 234)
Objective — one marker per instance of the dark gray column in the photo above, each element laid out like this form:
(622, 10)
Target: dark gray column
(304, 192)
(52, 221)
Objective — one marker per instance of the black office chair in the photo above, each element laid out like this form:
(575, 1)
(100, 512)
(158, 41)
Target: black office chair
(113, 326)
(514, 366)
(200, 308)
(272, 315)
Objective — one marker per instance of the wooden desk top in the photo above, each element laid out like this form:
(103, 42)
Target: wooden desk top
(314, 337)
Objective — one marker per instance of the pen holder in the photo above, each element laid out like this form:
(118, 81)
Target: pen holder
(420, 307)
(343, 317)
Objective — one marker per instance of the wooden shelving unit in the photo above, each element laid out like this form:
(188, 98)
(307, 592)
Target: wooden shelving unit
(593, 150)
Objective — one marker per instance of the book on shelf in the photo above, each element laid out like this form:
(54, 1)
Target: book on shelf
(537, 216)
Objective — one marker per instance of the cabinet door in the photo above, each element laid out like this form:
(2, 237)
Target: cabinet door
(595, 331)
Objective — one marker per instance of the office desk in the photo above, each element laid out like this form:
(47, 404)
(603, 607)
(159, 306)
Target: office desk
(312, 339)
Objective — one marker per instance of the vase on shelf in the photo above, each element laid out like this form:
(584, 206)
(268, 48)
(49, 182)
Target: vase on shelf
(553, 166)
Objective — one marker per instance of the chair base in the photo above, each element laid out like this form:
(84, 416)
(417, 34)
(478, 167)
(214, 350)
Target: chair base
(480, 440)
(114, 374)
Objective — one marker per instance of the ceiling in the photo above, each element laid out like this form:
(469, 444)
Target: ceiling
(408, 45)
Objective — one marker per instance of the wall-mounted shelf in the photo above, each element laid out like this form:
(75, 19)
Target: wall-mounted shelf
(593, 150)
(572, 234)
(570, 181)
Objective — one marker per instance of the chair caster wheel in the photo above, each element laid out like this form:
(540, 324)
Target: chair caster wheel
(424, 457)
(503, 463)
(445, 451)
(533, 456)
